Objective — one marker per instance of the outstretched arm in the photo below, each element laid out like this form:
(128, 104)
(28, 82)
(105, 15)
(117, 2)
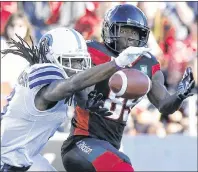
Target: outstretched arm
(160, 97)
(62, 89)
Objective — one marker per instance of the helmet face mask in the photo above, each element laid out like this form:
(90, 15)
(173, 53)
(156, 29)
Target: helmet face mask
(73, 63)
(121, 42)
(124, 16)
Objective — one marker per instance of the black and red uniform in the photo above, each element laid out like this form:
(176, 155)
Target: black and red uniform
(95, 138)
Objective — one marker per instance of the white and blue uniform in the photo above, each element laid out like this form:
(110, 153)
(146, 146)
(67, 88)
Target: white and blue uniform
(24, 129)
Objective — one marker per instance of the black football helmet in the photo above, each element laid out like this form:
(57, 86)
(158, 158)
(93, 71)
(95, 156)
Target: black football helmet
(124, 15)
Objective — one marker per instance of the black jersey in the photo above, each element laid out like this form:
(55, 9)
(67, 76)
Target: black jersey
(109, 128)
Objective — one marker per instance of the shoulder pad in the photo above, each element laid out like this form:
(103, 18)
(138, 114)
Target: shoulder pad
(99, 52)
(43, 74)
(152, 57)
(155, 65)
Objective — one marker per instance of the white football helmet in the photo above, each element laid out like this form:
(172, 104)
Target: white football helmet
(62, 46)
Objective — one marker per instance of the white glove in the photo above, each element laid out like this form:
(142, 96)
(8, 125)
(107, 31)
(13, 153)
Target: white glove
(129, 55)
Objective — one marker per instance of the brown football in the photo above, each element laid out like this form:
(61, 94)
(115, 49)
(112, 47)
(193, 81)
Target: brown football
(130, 83)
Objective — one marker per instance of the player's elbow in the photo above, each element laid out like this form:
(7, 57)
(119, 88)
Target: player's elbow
(165, 110)
(162, 110)
(58, 90)
(65, 92)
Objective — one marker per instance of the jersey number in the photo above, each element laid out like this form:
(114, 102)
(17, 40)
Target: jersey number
(117, 106)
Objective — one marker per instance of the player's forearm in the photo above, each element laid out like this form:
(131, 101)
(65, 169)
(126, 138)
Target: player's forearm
(94, 75)
(161, 98)
(62, 89)
(170, 104)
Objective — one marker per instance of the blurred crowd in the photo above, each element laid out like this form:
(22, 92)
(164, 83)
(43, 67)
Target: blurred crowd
(173, 40)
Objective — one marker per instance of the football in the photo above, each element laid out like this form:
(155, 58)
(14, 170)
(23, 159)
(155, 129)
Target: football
(130, 83)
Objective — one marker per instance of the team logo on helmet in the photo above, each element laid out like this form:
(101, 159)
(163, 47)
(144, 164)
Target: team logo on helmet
(46, 42)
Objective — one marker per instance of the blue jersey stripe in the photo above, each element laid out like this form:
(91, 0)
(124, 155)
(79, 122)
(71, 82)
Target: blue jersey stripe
(44, 67)
(46, 73)
(41, 82)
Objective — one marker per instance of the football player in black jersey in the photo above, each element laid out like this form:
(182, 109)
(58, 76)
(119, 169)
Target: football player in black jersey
(100, 117)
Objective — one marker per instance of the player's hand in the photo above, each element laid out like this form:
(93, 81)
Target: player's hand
(186, 84)
(129, 55)
(94, 104)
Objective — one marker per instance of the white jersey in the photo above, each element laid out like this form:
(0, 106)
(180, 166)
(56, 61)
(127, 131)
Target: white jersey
(24, 129)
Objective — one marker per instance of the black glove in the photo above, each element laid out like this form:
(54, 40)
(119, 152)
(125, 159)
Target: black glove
(94, 104)
(186, 84)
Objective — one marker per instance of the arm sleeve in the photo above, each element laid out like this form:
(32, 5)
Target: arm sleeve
(39, 76)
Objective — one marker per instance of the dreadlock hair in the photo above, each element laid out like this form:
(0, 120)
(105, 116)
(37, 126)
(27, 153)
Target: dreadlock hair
(31, 53)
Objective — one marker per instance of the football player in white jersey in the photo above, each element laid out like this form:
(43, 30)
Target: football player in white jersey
(37, 105)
